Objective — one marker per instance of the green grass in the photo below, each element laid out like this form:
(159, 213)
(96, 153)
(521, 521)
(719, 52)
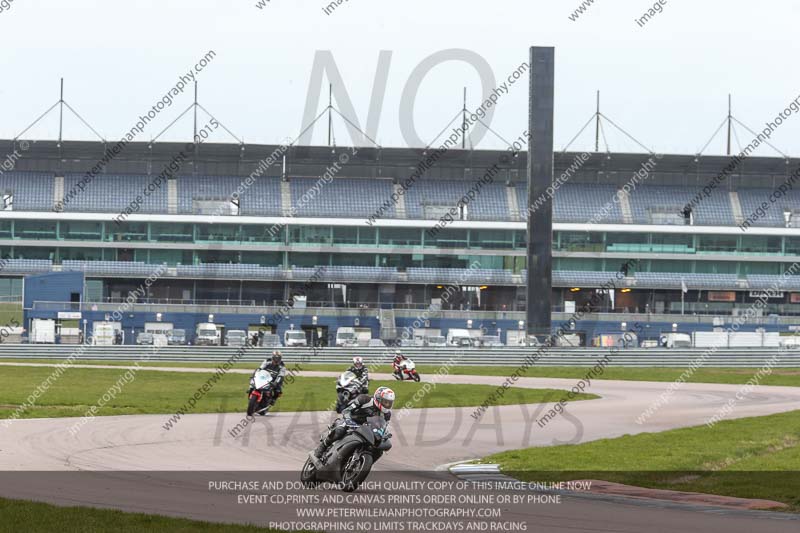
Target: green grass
(165, 392)
(17, 516)
(735, 376)
(749, 458)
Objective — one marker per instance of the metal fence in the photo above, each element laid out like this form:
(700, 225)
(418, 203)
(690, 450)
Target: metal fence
(511, 357)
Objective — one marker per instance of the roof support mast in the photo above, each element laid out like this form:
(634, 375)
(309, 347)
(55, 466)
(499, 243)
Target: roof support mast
(330, 112)
(730, 123)
(597, 125)
(464, 121)
(61, 113)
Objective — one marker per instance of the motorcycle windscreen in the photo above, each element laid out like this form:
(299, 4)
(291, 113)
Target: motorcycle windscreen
(346, 378)
(262, 378)
(376, 426)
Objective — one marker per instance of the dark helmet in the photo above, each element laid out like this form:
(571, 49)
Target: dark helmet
(277, 357)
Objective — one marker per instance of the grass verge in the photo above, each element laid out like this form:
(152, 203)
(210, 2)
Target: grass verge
(747, 458)
(734, 376)
(166, 392)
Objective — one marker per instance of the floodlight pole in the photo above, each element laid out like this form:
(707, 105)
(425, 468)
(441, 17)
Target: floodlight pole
(540, 178)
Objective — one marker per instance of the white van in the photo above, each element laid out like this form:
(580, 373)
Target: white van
(294, 337)
(207, 334)
(346, 336)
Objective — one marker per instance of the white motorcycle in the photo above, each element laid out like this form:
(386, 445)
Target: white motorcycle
(348, 386)
(261, 394)
(406, 370)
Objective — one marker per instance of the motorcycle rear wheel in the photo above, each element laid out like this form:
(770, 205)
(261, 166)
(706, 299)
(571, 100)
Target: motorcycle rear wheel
(355, 470)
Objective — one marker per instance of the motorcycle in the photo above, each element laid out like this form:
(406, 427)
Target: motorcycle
(406, 371)
(261, 394)
(349, 460)
(348, 386)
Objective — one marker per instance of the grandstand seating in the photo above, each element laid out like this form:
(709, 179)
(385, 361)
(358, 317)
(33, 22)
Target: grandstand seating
(490, 201)
(113, 193)
(341, 197)
(33, 191)
(751, 199)
(428, 276)
(712, 210)
(111, 268)
(26, 266)
(261, 198)
(578, 203)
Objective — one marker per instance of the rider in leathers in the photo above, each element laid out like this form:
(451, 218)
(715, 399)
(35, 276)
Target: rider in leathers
(359, 410)
(362, 373)
(278, 371)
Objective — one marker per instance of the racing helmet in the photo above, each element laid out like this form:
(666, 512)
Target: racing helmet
(276, 357)
(358, 362)
(383, 399)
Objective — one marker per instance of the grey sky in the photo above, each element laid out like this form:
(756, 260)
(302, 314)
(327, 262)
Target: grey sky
(665, 83)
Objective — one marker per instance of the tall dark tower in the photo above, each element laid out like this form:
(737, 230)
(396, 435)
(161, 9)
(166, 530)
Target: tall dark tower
(540, 177)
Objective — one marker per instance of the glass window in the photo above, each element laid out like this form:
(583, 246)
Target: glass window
(218, 256)
(579, 241)
(792, 245)
(171, 257)
(268, 259)
(670, 266)
(716, 267)
(35, 229)
(80, 254)
(345, 235)
(367, 260)
(672, 243)
(578, 263)
(305, 259)
(760, 244)
(401, 236)
(126, 232)
(269, 233)
(446, 238)
(218, 232)
(490, 238)
(773, 269)
(310, 235)
(81, 230)
(5, 229)
(367, 235)
(171, 232)
(717, 243)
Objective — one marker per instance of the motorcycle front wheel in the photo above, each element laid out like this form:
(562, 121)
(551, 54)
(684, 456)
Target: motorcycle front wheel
(355, 470)
(308, 476)
(251, 405)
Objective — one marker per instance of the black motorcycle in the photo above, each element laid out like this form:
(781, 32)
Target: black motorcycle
(261, 394)
(349, 460)
(348, 386)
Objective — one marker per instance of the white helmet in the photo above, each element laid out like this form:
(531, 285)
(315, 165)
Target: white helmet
(383, 399)
(358, 362)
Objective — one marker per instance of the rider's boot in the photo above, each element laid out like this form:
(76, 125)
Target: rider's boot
(319, 450)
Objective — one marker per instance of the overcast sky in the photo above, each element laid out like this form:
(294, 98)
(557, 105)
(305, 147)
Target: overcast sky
(666, 83)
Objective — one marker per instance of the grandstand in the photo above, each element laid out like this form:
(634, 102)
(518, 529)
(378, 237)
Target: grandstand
(212, 244)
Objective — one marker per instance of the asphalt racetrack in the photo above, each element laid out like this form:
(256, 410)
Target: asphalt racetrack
(136, 457)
